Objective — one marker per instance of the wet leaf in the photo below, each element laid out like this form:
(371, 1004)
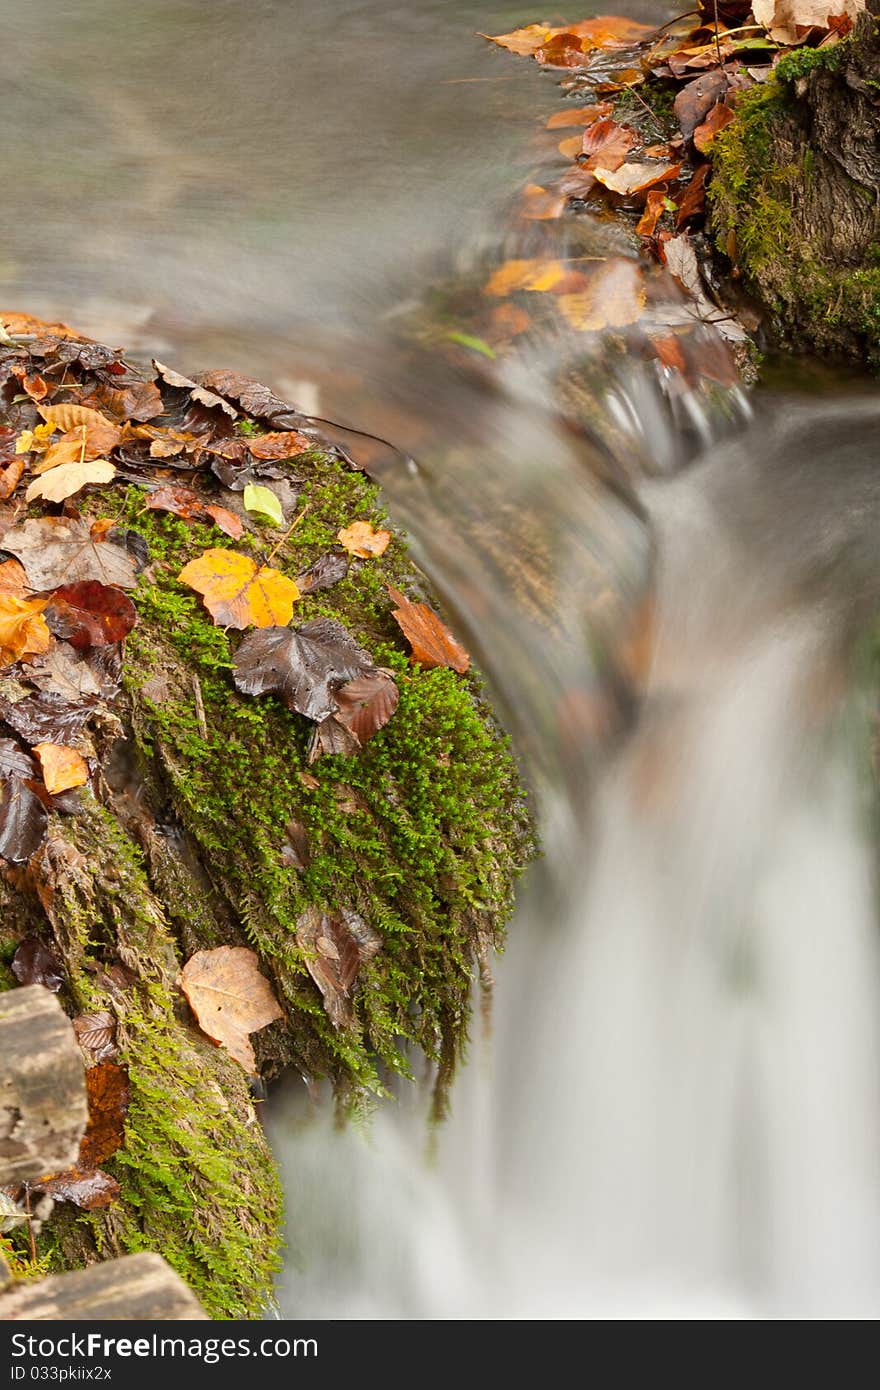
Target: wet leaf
(68, 417)
(46, 717)
(262, 501)
(96, 1035)
(528, 274)
(607, 145)
(525, 41)
(62, 766)
(335, 945)
(14, 761)
(283, 444)
(23, 630)
(89, 1189)
(184, 502)
(634, 178)
(70, 478)
(132, 400)
(13, 579)
(230, 998)
(654, 207)
(253, 398)
(34, 964)
(202, 394)
(324, 573)
(691, 202)
(360, 539)
(238, 592)
(614, 298)
(681, 261)
(109, 1095)
(332, 739)
(10, 476)
(65, 671)
(784, 19)
(304, 666)
(579, 115)
(90, 614)
(366, 704)
(56, 550)
(696, 99)
(719, 117)
(431, 641)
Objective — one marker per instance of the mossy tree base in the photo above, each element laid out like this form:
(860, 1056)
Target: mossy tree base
(795, 196)
(182, 847)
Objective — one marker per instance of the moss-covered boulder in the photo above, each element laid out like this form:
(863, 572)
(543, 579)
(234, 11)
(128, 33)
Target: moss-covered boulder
(795, 196)
(181, 842)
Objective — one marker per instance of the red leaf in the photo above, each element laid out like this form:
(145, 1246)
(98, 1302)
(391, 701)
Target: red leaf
(90, 614)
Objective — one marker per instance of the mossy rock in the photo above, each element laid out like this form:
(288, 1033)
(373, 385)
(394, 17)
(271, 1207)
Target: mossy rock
(795, 196)
(182, 847)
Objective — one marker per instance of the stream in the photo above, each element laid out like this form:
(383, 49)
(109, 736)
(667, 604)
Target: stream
(672, 1109)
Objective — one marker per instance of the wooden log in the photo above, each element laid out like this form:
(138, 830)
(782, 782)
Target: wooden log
(43, 1106)
(136, 1287)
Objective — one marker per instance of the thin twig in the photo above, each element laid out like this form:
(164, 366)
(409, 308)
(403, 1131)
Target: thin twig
(295, 522)
(27, 1212)
(200, 707)
(717, 42)
(628, 87)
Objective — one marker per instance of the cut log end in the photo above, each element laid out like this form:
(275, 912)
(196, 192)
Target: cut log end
(140, 1288)
(43, 1107)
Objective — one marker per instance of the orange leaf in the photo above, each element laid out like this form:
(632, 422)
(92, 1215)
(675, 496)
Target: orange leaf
(579, 115)
(607, 144)
(69, 417)
(652, 214)
(63, 768)
(523, 41)
(238, 592)
(431, 641)
(360, 539)
(283, 444)
(10, 476)
(719, 117)
(230, 998)
(108, 1093)
(524, 275)
(541, 206)
(23, 630)
(627, 179)
(13, 579)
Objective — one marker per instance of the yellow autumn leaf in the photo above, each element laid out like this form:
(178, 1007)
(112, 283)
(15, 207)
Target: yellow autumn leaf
(34, 439)
(614, 298)
(239, 593)
(68, 417)
(360, 539)
(528, 274)
(23, 630)
(62, 482)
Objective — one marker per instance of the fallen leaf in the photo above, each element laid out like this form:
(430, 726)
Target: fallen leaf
(133, 400)
(10, 476)
(14, 761)
(108, 1094)
(541, 205)
(13, 579)
(614, 298)
(262, 502)
(431, 641)
(295, 853)
(785, 18)
(68, 417)
(184, 502)
(331, 739)
(46, 717)
(89, 1189)
(365, 704)
(283, 444)
(23, 630)
(360, 539)
(607, 145)
(254, 399)
(96, 1035)
(696, 99)
(509, 320)
(691, 202)
(238, 592)
(326, 571)
(304, 666)
(654, 206)
(70, 478)
(202, 394)
(90, 614)
(335, 945)
(68, 673)
(62, 766)
(633, 178)
(34, 964)
(56, 550)
(719, 117)
(526, 274)
(579, 115)
(525, 41)
(230, 998)
(681, 261)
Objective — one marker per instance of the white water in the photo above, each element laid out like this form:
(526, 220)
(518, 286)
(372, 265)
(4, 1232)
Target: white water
(676, 1114)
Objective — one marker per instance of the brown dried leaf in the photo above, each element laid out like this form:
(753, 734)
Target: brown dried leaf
(431, 641)
(230, 998)
(108, 1094)
(34, 964)
(56, 550)
(283, 444)
(304, 666)
(579, 115)
(90, 1189)
(719, 117)
(96, 1035)
(335, 945)
(367, 703)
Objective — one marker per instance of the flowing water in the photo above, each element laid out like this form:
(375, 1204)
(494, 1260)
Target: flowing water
(675, 1111)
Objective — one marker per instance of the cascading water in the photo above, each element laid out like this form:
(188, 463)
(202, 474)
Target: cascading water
(675, 1112)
